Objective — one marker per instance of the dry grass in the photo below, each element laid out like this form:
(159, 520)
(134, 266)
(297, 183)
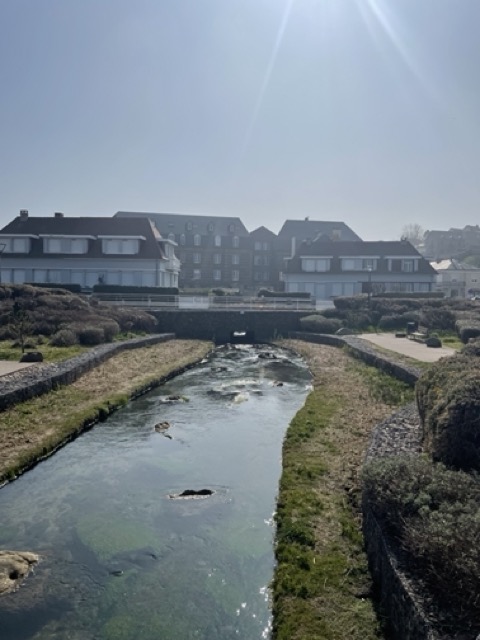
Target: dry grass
(37, 427)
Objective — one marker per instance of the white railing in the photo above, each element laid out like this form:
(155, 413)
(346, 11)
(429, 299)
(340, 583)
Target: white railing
(210, 302)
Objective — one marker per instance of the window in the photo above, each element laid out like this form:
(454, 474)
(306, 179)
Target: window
(265, 246)
(217, 258)
(235, 276)
(265, 261)
(183, 239)
(65, 245)
(257, 276)
(14, 245)
(210, 227)
(189, 226)
(315, 264)
(218, 241)
(408, 266)
(258, 246)
(217, 274)
(197, 274)
(235, 242)
(120, 246)
(266, 275)
(197, 239)
(235, 258)
(231, 228)
(197, 258)
(359, 264)
(257, 260)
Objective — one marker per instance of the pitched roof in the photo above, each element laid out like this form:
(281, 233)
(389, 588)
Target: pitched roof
(177, 223)
(361, 249)
(262, 232)
(89, 226)
(310, 229)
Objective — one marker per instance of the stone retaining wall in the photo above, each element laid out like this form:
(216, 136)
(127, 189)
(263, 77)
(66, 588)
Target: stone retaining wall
(399, 434)
(41, 378)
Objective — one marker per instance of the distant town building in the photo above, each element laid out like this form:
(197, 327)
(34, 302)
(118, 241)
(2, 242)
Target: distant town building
(454, 243)
(456, 279)
(86, 251)
(326, 268)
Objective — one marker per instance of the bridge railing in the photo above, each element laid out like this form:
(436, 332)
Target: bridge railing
(210, 302)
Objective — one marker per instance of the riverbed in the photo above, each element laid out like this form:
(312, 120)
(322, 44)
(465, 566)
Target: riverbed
(124, 556)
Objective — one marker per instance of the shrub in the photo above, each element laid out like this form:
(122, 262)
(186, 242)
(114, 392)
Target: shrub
(438, 319)
(134, 320)
(448, 399)
(91, 335)
(472, 348)
(433, 342)
(320, 324)
(111, 328)
(434, 515)
(467, 329)
(396, 322)
(64, 338)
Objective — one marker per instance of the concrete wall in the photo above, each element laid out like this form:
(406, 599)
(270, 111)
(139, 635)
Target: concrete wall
(219, 325)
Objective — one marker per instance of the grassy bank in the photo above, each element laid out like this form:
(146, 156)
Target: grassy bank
(33, 429)
(321, 587)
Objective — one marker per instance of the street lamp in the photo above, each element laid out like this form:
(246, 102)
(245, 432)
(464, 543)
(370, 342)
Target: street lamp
(369, 289)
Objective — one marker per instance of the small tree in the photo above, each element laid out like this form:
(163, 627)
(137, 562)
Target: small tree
(20, 324)
(414, 234)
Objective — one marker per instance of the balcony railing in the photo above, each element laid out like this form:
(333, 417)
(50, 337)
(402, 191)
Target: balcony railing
(192, 302)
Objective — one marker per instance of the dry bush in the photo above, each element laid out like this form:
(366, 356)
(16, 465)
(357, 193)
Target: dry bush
(434, 515)
(448, 400)
(320, 324)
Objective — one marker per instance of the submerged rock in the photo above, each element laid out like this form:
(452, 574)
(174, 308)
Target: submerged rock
(193, 493)
(160, 427)
(14, 568)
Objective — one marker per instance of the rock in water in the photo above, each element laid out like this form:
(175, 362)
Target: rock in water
(14, 568)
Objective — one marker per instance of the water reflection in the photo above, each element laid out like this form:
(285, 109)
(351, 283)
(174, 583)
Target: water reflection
(122, 559)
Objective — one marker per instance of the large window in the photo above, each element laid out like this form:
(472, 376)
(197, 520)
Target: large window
(14, 245)
(408, 266)
(119, 246)
(218, 241)
(197, 258)
(315, 264)
(183, 239)
(236, 242)
(197, 239)
(197, 274)
(65, 245)
(359, 264)
(235, 276)
(235, 258)
(217, 274)
(217, 258)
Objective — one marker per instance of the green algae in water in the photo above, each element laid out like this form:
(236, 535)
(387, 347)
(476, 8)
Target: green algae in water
(108, 536)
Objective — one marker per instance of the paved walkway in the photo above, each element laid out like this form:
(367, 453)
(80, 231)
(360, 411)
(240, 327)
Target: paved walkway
(9, 366)
(407, 347)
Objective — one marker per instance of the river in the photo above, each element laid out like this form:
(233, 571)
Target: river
(123, 556)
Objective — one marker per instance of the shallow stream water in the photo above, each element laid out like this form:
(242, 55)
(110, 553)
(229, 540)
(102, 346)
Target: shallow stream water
(123, 558)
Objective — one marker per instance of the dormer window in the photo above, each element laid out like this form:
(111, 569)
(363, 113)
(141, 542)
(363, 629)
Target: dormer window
(210, 227)
(65, 244)
(231, 228)
(15, 245)
(120, 245)
(189, 226)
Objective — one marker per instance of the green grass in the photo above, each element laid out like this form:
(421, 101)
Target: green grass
(50, 354)
(321, 567)
(384, 388)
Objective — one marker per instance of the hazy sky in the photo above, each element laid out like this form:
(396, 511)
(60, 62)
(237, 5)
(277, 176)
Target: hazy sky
(366, 111)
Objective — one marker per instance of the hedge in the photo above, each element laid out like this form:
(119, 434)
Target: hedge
(116, 288)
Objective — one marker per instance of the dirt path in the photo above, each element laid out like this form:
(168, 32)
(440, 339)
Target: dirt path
(35, 428)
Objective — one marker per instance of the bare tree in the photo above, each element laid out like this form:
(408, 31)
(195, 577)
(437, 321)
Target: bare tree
(20, 324)
(413, 233)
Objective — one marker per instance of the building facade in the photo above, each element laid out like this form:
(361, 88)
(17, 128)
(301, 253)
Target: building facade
(213, 251)
(86, 251)
(456, 279)
(327, 269)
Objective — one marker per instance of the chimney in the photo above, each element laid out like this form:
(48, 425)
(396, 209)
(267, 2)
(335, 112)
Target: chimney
(23, 214)
(58, 214)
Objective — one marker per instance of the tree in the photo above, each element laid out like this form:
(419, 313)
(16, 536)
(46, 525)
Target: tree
(20, 324)
(414, 234)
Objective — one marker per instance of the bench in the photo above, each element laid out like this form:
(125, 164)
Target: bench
(418, 336)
